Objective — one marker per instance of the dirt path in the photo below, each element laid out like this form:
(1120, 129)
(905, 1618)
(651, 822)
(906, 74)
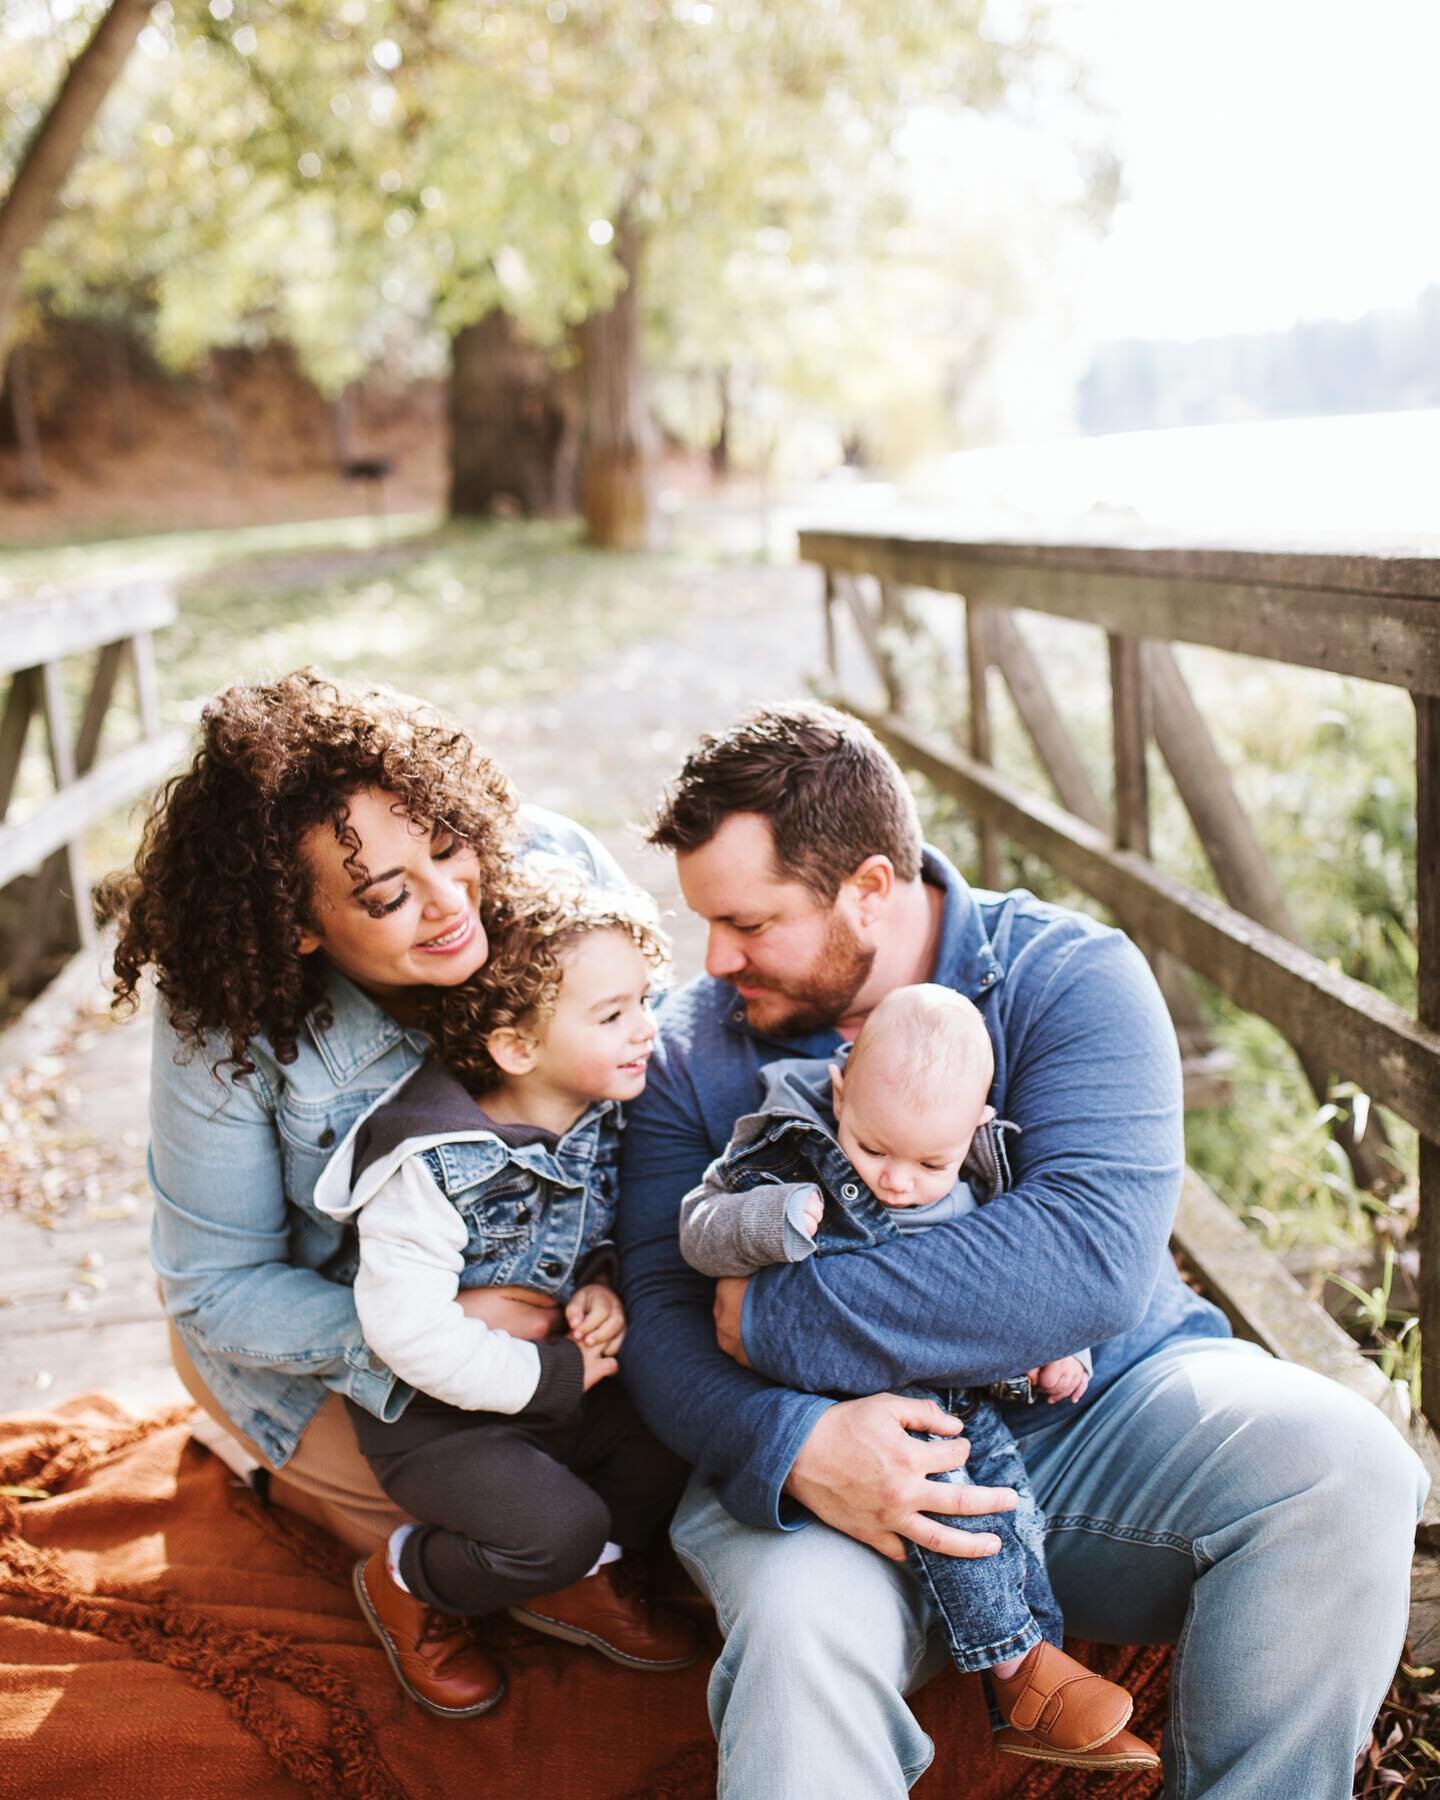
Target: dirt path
(77, 1300)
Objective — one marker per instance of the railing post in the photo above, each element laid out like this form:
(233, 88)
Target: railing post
(1427, 895)
(977, 668)
(1130, 712)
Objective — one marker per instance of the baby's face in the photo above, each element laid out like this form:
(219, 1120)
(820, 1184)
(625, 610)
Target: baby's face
(907, 1155)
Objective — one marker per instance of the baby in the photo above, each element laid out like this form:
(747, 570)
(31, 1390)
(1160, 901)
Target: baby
(493, 1168)
(879, 1153)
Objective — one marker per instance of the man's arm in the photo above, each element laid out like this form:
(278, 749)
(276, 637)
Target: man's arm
(1070, 1255)
(739, 1429)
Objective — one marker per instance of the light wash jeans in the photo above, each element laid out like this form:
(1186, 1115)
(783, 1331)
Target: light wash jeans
(1256, 1515)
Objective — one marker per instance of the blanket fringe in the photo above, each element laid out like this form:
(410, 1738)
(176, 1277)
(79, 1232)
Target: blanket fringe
(156, 1627)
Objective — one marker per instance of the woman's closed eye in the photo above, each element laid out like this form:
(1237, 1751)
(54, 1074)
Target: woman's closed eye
(378, 908)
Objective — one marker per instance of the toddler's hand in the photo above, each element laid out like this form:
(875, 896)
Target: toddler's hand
(595, 1316)
(813, 1212)
(1064, 1379)
(597, 1365)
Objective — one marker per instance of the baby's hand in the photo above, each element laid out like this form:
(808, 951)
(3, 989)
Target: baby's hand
(812, 1213)
(1064, 1379)
(596, 1317)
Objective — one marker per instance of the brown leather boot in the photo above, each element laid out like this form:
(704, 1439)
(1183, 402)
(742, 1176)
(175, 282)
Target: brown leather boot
(611, 1612)
(435, 1659)
(1059, 1711)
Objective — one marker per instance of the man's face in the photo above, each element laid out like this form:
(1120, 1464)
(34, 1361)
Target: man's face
(795, 962)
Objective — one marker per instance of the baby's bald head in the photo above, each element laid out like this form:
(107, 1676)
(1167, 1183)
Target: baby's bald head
(926, 1042)
(913, 1094)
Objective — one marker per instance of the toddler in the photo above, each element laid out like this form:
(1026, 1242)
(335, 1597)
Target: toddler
(493, 1167)
(876, 1153)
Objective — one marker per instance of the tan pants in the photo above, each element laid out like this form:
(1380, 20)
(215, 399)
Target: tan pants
(327, 1480)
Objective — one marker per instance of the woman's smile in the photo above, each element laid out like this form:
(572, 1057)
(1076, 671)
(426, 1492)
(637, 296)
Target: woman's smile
(456, 938)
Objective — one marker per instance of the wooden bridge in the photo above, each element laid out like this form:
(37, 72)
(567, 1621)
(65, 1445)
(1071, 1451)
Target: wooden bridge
(68, 1320)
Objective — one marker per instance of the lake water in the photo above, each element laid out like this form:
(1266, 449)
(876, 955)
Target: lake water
(1374, 475)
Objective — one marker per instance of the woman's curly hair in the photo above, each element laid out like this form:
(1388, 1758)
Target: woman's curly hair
(220, 891)
(539, 923)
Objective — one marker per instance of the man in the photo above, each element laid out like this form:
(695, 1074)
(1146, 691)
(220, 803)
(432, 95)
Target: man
(1203, 1493)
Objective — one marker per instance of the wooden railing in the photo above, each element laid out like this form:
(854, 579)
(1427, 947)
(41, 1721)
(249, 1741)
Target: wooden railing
(38, 639)
(1371, 615)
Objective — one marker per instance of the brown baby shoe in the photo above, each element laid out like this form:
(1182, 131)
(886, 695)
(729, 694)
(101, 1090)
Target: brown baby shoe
(1058, 1711)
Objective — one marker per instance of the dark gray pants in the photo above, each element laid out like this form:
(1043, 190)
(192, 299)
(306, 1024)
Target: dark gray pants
(511, 1508)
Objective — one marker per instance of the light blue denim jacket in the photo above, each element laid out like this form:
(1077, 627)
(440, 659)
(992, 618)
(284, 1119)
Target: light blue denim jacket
(255, 1279)
(538, 1208)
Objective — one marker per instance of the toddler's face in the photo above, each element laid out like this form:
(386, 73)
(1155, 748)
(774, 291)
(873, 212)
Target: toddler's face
(907, 1155)
(596, 1043)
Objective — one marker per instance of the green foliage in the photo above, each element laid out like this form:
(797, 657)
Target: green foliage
(350, 176)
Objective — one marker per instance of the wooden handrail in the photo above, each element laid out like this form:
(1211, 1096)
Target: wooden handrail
(1362, 611)
(1377, 617)
(117, 625)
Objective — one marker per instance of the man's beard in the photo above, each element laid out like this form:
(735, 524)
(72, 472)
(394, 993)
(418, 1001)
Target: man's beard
(819, 998)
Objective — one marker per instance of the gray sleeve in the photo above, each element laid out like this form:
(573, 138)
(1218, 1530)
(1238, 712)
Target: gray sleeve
(1086, 1361)
(722, 1233)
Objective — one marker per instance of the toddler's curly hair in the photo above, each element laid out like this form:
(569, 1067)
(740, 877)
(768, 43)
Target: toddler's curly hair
(220, 889)
(543, 918)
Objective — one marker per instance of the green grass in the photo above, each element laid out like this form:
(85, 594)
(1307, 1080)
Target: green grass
(181, 553)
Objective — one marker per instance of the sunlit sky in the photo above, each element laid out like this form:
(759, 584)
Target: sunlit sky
(1282, 159)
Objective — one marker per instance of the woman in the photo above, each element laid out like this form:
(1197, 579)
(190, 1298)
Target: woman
(328, 858)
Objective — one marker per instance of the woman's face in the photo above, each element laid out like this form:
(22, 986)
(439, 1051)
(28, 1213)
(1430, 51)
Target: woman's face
(415, 922)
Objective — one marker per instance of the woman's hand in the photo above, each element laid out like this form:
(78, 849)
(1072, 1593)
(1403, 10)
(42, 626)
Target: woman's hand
(522, 1312)
(596, 1318)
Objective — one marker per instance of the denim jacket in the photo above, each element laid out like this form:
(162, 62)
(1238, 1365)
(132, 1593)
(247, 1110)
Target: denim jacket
(443, 1198)
(255, 1278)
(537, 1210)
(790, 1142)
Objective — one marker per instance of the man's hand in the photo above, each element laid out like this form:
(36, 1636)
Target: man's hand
(729, 1304)
(1063, 1379)
(595, 1316)
(861, 1472)
(522, 1312)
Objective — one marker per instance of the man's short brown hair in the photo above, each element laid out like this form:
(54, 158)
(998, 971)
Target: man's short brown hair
(832, 794)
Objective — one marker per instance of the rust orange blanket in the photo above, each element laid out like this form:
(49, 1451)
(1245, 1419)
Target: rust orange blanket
(163, 1634)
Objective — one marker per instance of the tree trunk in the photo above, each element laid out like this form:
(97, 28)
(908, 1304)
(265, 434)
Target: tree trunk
(617, 458)
(217, 411)
(512, 425)
(122, 391)
(720, 445)
(51, 153)
(33, 484)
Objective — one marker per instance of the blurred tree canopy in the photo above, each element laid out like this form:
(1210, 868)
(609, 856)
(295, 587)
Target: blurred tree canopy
(737, 186)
